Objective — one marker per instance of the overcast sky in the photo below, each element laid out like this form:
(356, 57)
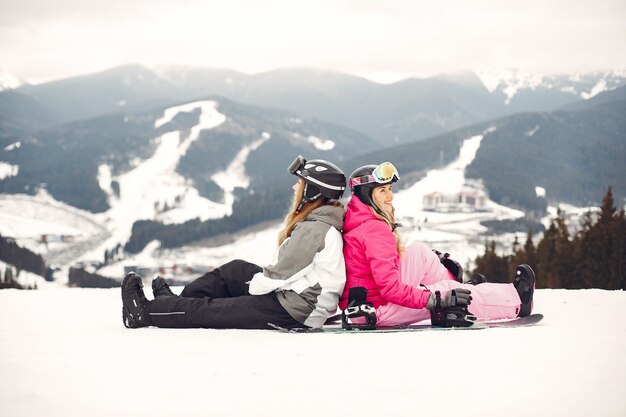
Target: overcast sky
(383, 40)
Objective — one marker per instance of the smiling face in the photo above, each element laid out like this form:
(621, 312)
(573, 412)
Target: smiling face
(383, 197)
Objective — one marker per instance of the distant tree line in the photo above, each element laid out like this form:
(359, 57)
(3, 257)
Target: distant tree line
(78, 277)
(593, 257)
(8, 279)
(21, 258)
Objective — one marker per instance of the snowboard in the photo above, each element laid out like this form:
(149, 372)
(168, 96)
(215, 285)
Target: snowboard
(479, 325)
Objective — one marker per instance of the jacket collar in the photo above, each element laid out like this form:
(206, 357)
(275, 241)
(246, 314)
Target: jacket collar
(357, 214)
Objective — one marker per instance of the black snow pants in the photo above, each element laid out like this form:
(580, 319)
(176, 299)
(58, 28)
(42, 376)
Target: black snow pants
(220, 299)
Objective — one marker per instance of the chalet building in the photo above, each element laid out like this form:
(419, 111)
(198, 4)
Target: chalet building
(465, 201)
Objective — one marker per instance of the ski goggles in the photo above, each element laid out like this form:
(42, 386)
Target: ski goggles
(297, 165)
(382, 174)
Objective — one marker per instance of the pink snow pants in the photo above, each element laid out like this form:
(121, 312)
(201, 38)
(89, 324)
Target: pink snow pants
(419, 265)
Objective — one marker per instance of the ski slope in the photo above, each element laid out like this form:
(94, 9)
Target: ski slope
(64, 352)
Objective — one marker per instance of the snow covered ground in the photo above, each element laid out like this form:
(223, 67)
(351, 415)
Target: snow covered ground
(64, 352)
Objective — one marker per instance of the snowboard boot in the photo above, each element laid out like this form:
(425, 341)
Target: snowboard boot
(134, 302)
(477, 279)
(160, 288)
(524, 283)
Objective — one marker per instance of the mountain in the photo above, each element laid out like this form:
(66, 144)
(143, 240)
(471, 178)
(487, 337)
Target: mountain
(608, 97)
(20, 114)
(401, 112)
(573, 154)
(179, 173)
(128, 88)
(404, 111)
(202, 180)
(522, 92)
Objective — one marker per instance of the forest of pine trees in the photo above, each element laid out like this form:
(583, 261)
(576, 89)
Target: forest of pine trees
(593, 257)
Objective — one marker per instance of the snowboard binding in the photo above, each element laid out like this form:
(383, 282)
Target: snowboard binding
(358, 307)
(453, 316)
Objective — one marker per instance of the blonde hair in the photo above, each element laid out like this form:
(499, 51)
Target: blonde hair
(293, 217)
(390, 219)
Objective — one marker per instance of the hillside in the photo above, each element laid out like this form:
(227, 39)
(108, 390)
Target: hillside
(66, 160)
(21, 114)
(573, 154)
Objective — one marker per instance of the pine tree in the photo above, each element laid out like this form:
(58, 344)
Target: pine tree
(621, 250)
(617, 258)
(530, 251)
(585, 268)
(546, 252)
(599, 243)
(561, 264)
(517, 257)
(526, 254)
(494, 267)
(593, 258)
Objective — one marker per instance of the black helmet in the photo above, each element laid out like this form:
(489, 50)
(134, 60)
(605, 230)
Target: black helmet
(364, 179)
(321, 179)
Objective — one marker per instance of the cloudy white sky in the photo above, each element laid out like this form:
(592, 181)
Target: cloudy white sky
(382, 40)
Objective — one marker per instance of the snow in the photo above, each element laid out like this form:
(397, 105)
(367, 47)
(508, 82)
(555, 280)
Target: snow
(13, 146)
(317, 142)
(105, 178)
(234, 176)
(8, 170)
(28, 217)
(540, 191)
(67, 354)
(509, 81)
(321, 144)
(595, 90)
(532, 131)
(155, 182)
(9, 81)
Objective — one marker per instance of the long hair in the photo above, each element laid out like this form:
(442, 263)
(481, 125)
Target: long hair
(390, 219)
(292, 218)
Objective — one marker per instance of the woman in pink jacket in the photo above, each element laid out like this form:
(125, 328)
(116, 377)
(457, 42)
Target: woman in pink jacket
(404, 283)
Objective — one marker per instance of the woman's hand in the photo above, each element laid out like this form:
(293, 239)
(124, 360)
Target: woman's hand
(452, 298)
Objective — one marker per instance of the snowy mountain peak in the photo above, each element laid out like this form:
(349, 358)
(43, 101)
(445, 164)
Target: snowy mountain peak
(584, 85)
(508, 79)
(9, 81)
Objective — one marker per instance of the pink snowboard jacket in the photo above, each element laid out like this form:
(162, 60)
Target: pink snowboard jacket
(372, 260)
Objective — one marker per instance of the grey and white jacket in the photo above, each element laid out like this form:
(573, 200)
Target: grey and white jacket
(309, 272)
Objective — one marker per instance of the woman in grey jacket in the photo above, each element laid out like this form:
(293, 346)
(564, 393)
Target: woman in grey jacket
(300, 289)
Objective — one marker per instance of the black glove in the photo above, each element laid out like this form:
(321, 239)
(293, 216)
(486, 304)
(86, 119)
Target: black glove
(456, 297)
(451, 265)
(451, 309)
